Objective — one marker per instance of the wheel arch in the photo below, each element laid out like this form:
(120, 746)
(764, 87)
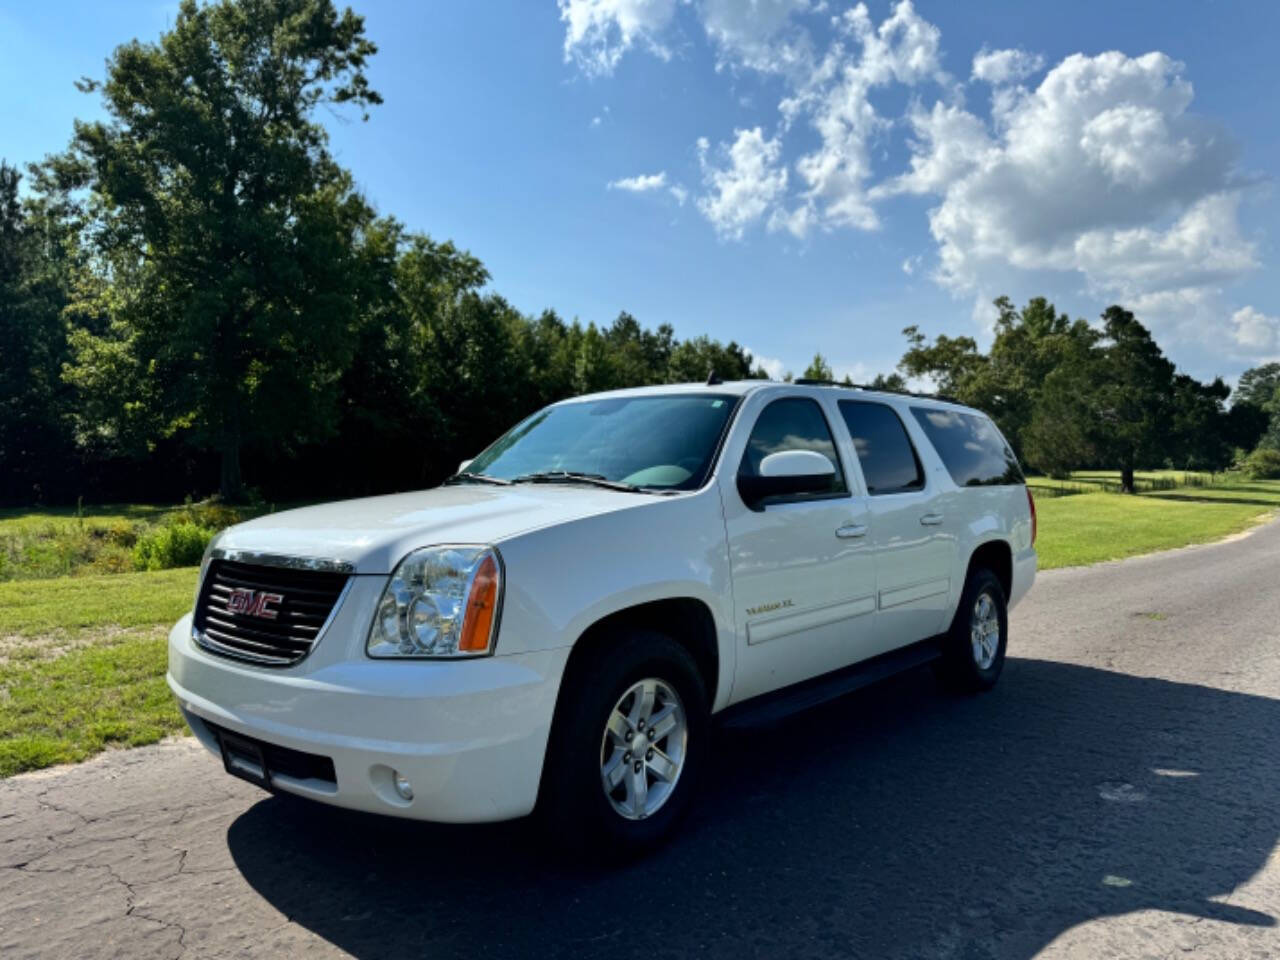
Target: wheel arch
(687, 620)
(996, 556)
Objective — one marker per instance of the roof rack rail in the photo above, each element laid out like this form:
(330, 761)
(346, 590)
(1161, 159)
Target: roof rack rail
(811, 382)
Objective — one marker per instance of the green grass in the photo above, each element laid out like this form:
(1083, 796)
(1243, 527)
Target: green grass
(38, 607)
(1083, 527)
(67, 709)
(74, 541)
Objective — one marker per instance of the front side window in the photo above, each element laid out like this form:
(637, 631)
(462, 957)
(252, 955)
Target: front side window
(793, 423)
(889, 461)
(970, 446)
(665, 442)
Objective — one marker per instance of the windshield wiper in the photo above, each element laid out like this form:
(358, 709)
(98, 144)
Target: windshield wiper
(466, 476)
(573, 476)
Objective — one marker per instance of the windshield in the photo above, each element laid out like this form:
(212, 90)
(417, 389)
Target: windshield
(661, 442)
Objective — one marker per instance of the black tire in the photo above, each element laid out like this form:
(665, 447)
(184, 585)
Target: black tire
(959, 667)
(572, 800)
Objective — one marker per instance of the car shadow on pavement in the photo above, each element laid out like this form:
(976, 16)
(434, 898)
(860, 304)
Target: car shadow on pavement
(899, 822)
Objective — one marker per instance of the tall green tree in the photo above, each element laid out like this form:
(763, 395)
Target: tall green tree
(232, 238)
(34, 441)
(1131, 401)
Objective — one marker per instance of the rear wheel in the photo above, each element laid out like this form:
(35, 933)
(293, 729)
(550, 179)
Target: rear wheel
(626, 747)
(973, 650)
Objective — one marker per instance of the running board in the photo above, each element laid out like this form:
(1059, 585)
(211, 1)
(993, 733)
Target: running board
(771, 707)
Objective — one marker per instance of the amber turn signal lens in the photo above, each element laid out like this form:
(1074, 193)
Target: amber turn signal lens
(482, 604)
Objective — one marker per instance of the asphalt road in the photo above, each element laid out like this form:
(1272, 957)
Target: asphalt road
(1118, 795)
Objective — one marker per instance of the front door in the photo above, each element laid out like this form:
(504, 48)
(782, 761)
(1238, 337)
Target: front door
(803, 579)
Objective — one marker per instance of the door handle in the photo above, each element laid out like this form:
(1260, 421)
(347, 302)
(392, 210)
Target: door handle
(851, 530)
(931, 519)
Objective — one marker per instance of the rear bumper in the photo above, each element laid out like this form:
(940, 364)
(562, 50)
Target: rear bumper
(1024, 574)
(469, 735)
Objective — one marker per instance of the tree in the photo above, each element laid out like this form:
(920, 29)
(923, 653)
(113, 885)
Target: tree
(1255, 415)
(818, 369)
(1131, 399)
(232, 239)
(34, 442)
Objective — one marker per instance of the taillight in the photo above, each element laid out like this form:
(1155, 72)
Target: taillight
(1031, 502)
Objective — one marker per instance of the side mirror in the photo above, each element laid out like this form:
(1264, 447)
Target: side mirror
(464, 464)
(787, 473)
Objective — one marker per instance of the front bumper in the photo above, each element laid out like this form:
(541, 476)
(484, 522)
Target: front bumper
(470, 735)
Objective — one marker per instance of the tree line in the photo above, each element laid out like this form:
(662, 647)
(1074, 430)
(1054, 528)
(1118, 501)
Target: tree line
(195, 296)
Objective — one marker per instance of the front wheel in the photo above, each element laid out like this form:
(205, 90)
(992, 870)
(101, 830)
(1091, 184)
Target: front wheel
(973, 650)
(626, 747)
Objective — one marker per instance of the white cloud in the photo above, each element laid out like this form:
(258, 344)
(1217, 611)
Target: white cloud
(1100, 173)
(911, 264)
(680, 193)
(742, 191)
(598, 32)
(642, 183)
(998, 67)
(1256, 332)
(774, 367)
(758, 34)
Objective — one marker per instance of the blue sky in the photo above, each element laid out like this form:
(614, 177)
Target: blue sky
(800, 175)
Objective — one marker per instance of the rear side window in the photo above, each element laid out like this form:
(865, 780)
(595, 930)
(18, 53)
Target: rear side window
(971, 447)
(889, 461)
(792, 423)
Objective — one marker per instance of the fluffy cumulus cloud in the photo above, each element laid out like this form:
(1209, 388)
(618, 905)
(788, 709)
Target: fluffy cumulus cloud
(1096, 168)
(998, 67)
(1255, 332)
(1100, 170)
(744, 183)
(641, 183)
(598, 32)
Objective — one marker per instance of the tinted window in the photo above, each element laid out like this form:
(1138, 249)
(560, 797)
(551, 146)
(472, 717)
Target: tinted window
(889, 461)
(792, 423)
(971, 447)
(665, 442)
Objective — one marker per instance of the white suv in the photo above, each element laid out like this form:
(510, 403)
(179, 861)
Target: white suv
(557, 624)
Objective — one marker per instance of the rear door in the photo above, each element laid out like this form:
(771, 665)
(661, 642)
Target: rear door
(911, 537)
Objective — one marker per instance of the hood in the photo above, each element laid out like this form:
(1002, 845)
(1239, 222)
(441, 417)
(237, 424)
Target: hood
(375, 533)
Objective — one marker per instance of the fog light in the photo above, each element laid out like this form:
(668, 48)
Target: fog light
(403, 787)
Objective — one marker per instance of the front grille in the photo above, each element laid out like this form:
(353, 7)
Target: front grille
(264, 614)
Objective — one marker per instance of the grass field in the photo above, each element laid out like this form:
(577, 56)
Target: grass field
(82, 663)
(1079, 527)
(82, 656)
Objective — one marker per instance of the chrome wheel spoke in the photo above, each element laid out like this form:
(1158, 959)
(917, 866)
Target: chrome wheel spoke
(618, 727)
(614, 771)
(664, 721)
(637, 790)
(662, 766)
(644, 699)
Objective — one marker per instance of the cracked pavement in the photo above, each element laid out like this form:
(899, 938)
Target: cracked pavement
(1118, 795)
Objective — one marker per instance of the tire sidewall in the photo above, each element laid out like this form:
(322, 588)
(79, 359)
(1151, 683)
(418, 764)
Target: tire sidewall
(572, 794)
(959, 654)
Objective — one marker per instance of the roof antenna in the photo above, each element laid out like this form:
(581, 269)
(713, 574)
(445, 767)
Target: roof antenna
(712, 379)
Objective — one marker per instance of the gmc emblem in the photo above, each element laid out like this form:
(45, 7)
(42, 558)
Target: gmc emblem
(253, 603)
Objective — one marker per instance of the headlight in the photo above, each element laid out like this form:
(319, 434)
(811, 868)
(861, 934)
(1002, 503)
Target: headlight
(439, 602)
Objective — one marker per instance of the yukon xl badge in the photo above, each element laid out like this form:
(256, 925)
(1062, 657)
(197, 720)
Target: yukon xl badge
(769, 607)
(254, 603)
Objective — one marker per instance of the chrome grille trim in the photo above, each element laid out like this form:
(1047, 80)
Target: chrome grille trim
(236, 636)
(256, 559)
